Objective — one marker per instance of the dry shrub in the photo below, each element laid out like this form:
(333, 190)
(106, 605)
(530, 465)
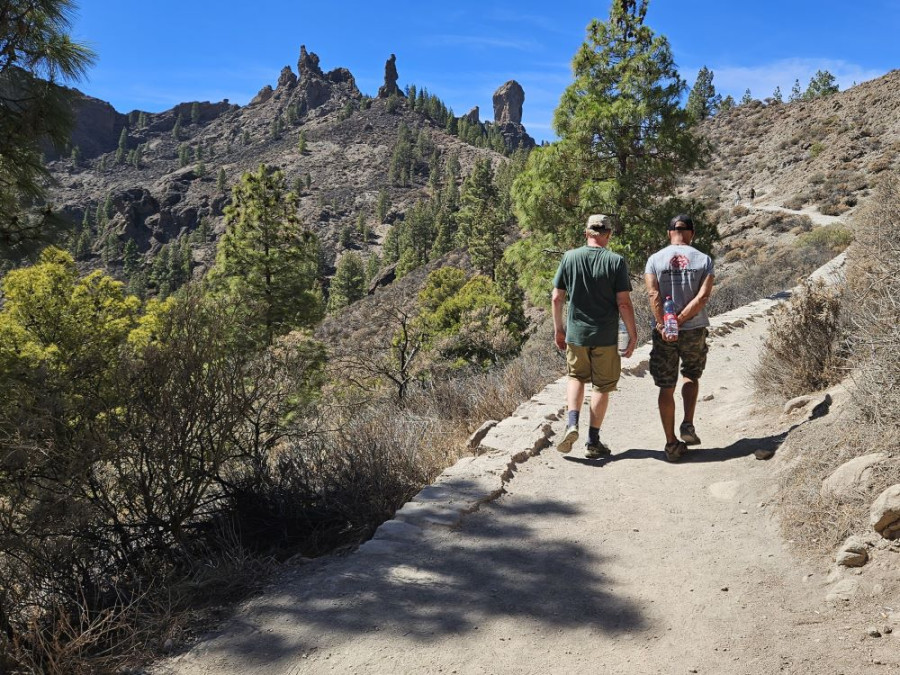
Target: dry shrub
(874, 306)
(739, 211)
(803, 350)
(794, 203)
(786, 222)
(765, 272)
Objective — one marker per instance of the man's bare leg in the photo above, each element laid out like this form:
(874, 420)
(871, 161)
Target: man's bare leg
(690, 390)
(599, 404)
(667, 412)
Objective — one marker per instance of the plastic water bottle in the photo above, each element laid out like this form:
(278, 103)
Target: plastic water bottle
(623, 337)
(670, 319)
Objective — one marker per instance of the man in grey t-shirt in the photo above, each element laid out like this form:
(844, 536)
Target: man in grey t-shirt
(686, 274)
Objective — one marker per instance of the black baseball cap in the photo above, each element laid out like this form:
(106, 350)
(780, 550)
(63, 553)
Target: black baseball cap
(681, 222)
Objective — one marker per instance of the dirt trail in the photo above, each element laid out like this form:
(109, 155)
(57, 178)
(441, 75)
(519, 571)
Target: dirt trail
(623, 565)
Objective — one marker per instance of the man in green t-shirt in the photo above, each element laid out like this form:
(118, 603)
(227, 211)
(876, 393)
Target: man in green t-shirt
(599, 292)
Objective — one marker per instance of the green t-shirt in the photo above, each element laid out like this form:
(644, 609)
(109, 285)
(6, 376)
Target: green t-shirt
(591, 276)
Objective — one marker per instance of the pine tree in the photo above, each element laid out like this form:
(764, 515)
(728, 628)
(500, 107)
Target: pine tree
(796, 92)
(362, 228)
(703, 101)
(142, 120)
(220, 180)
(776, 95)
(746, 98)
(184, 155)
(349, 282)
(176, 130)
(821, 84)
(382, 206)
(623, 138)
(123, 146)
(195, 113)
(35, 46)
(481, 225)
(267, 257)
(130, 258)
(727, 103)
(301, 143)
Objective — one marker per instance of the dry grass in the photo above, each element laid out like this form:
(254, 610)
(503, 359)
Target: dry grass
(803, 351)
(817, 523)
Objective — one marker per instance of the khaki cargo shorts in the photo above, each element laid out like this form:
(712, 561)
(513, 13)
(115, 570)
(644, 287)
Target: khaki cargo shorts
(598, 366)
(690, 349)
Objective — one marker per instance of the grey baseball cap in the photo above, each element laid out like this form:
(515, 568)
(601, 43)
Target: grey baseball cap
(598, 223)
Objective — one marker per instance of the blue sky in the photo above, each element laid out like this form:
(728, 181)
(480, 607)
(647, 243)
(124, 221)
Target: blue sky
(152, 55)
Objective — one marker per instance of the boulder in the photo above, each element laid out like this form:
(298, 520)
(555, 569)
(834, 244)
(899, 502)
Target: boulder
(264, 95)
(508, 100)
(287, 79)
(851, 475)
(884, 515)
(852, 553)
(479, 434)
(341, 76)
(390, 88)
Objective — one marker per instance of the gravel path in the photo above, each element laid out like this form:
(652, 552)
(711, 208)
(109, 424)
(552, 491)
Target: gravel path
(546, 563)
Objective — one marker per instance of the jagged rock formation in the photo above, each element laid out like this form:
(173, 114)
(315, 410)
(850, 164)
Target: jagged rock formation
(390, 88)
(264, 95)
(508, 100)
(473, 116)
(175, 182)
(97, 127)
(308, 64)
(287, 78)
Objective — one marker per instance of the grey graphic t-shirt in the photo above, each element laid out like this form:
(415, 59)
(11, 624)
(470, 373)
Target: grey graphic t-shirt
(680, 271)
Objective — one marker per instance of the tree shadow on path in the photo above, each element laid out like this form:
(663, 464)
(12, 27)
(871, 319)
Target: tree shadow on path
(505, 561)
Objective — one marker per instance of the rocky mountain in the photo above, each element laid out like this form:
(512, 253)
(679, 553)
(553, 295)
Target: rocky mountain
(817, 158)
(160, 175)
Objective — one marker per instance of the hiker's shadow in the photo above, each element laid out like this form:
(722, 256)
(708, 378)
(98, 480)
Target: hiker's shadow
(766, 446)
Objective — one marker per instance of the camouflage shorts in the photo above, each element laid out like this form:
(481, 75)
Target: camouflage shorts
(690, 348)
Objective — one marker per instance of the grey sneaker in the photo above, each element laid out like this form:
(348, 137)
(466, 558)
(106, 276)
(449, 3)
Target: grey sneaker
(596, 450)
(675, 450)
(565, 445)
(689, 434)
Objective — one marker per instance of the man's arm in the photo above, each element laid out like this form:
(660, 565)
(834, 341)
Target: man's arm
(558, 299)
(626, 311)
(656, 305)
(695, 306)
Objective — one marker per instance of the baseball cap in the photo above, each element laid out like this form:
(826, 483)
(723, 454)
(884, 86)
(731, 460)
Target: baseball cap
(681, 222)
(598, 223)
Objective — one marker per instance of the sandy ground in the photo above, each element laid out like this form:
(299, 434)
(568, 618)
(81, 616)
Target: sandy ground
(622, 565)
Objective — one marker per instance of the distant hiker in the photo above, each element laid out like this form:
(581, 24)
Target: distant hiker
(737, 198)
(599, 292)
(752, 194)
(686, 274)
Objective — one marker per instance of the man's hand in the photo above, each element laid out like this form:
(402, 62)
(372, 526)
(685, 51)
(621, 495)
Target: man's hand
(629, 350)
(662, 333)
(559, 337)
